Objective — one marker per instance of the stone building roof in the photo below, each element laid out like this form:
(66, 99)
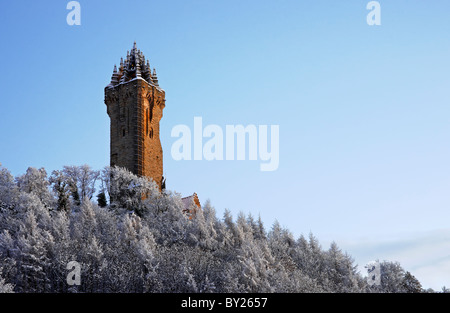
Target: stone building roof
(134, 67)
(191, 204)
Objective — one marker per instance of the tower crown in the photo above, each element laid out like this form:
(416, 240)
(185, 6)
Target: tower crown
(133, 67)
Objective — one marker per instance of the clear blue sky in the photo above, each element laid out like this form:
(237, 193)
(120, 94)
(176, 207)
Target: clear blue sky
(363, 110)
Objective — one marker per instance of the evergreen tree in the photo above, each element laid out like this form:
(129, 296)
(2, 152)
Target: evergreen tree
(411, 284)
(101, 200)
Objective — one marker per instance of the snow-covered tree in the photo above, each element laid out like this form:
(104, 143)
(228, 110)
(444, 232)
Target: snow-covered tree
(62, 188)
(33, 261)
(128, 191)
(82, 181)
(35, 182)
(392, 276)
(5, 287)
(8, 189)
(410, 284)
(340, 270)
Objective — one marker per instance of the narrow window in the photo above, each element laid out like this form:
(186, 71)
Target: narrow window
(151, 111)
(146, 120)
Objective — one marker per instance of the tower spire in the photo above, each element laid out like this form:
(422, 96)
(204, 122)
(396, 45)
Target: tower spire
(155, 78)
(114, 77)
(138, 67)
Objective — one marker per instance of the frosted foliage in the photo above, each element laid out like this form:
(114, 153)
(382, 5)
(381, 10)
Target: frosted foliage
(35, 182)
(143, 242)
(7, 188)
(5, 287)
(82, 180)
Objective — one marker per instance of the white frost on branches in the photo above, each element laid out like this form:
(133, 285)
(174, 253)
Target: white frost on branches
(143, 242)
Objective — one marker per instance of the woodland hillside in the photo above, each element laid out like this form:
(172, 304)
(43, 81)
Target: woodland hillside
(130, 237)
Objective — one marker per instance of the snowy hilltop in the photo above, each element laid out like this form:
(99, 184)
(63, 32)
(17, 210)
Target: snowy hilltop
(141, 241)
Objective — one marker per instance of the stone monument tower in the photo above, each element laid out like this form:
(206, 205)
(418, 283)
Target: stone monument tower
(135, 104)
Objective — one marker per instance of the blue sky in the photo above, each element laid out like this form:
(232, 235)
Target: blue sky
(363, 110)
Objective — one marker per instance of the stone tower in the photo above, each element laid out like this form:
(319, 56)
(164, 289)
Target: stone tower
(135, 104)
